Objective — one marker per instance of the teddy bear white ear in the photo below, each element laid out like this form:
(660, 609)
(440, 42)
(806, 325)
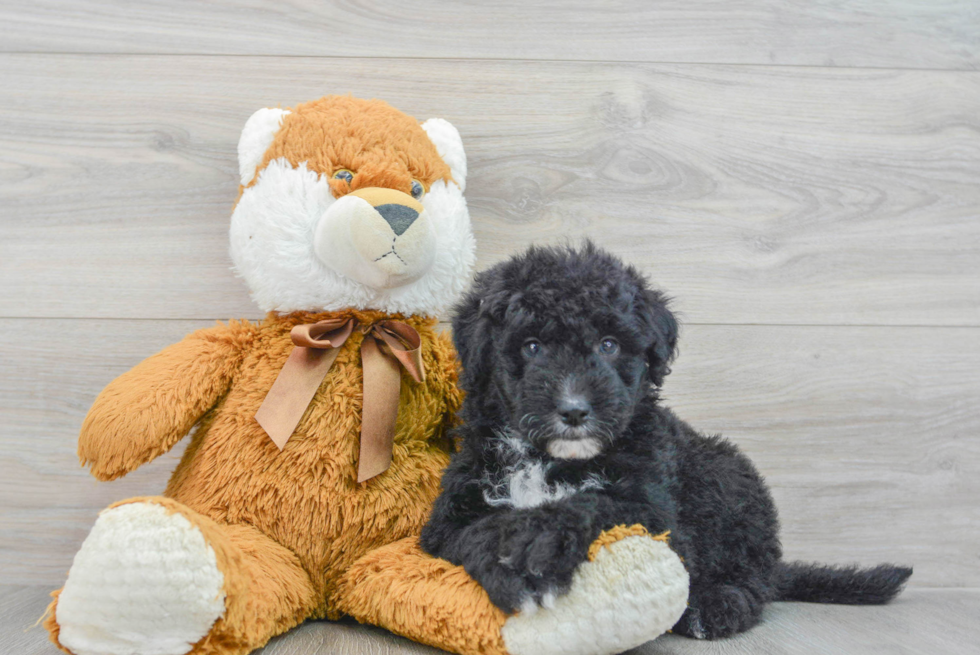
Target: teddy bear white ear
(446, 139)
(257, 135)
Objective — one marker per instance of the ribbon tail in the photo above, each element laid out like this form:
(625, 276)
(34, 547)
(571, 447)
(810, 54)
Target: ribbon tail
(293, 390)
(382, 386)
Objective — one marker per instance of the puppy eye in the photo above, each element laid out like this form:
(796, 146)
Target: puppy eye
(609, 346)
(417, 190)
(531, 348)
(344, 174)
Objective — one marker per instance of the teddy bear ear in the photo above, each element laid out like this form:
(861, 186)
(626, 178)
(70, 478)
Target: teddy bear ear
(446, 139)
(257, 135)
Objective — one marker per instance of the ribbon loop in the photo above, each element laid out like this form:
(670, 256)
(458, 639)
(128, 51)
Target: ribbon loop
(331, 333)
(386, 345)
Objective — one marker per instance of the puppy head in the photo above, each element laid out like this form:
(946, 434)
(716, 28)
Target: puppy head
(558, 345)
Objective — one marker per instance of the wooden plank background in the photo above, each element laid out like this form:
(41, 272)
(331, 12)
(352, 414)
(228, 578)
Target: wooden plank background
(804, 178)
(894, 34)
(755, 195)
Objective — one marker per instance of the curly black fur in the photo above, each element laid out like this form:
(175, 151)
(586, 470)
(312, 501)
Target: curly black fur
(564, 436)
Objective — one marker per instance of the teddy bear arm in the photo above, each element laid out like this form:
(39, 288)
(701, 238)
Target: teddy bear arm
(402, 589)
(145, 411)
(631, 588)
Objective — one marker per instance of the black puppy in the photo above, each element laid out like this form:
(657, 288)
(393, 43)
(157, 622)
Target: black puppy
(564, 436)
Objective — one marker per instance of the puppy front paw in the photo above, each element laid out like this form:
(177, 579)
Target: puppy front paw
(545, 558)
(512, 583)
(509, 592)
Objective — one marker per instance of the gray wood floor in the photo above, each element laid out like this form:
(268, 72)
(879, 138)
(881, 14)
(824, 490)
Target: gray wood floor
(803, 177)
(921, 622)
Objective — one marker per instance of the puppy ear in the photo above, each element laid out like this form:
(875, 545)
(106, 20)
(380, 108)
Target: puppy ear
(257, 135)
(473, 334)
(449, 145)
(662, 325)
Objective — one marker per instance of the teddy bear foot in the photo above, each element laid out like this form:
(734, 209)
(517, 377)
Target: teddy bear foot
(633, 589)
(145, 581)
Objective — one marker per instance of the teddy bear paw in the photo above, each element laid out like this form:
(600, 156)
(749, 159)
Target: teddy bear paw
(632, 591)
(145, 581)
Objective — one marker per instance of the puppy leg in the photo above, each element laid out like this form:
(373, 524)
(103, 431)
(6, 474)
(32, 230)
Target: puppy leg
(720, 611)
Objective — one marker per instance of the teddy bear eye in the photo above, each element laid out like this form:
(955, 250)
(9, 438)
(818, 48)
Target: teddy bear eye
(344, 174)
(417, 190)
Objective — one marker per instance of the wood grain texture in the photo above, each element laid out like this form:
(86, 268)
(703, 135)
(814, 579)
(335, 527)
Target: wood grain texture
(920, 621)
(866, 435)
(905, 34)
(48, 502)
(753, 194)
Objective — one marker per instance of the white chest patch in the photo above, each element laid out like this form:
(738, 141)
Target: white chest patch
(524, 484)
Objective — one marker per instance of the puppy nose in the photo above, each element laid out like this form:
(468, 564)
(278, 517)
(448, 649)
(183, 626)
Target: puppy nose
(574, 411)
(399, 217)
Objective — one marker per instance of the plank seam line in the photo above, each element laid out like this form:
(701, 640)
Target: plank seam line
(58, 53)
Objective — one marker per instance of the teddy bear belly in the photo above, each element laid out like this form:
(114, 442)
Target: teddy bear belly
(306, 497)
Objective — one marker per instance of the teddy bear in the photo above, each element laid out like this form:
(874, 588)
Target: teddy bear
(318, 434)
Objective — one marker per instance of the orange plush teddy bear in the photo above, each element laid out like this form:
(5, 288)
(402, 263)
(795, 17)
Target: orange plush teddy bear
(319, 434)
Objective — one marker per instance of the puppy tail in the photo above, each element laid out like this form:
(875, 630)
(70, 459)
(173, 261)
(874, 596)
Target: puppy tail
(848, 585)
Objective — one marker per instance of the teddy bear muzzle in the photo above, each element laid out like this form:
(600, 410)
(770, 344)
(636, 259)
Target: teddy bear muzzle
(380, 237)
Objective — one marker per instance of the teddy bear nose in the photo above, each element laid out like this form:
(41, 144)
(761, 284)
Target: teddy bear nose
(398, 209)
(399, 217)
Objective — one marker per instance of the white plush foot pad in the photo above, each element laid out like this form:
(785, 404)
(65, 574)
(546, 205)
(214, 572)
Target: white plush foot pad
(144, 582)
(634, 591)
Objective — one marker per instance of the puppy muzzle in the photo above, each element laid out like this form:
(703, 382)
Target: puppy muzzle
(379, 237)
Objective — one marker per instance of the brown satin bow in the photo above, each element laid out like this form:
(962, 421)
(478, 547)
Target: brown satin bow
(386, 344)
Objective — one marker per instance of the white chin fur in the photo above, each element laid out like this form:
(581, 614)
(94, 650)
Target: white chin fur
(585, 448)
(272, 237)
